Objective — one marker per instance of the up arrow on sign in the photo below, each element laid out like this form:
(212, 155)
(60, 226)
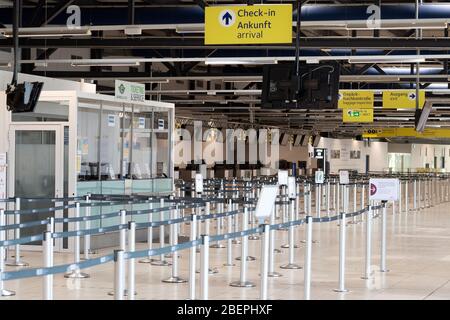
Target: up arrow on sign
(227, 17)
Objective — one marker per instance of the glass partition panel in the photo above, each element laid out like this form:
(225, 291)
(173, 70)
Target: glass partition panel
(161, 160)
(141, 160)
(111, 143)
(88, 143)
(44, 111)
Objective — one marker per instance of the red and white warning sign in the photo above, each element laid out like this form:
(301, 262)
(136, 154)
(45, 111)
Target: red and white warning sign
(384, 189)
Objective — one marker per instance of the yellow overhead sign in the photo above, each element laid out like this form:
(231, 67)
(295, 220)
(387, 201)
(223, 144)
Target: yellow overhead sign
(402, 99)
(355, 99)
(357, 115)
(256, 24)
(406, 132)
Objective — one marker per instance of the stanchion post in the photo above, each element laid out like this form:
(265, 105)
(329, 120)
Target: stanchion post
(131, 263)
(291, 264)
(119, 275)
(192, 258)
(265, 243)
(368, 261)
(3, 291)
(87, 237)
(48, 263)
(161, 261)
(383, 238)
(16, 262)
(272, 273)
(204, 270)
(149, 234)
(242, 282)
(342, 255)
(229, 240)
(174, 278)
(76, 273)
(308, 256)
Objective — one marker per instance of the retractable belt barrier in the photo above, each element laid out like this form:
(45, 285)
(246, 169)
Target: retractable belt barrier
(35, 272)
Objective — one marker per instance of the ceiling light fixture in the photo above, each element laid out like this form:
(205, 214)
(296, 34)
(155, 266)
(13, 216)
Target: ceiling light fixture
(46, 34)
(100, 64)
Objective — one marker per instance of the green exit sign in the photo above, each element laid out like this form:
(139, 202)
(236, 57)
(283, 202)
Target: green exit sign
(354, 114)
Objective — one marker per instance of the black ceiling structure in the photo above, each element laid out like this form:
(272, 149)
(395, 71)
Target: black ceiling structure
(230, 93)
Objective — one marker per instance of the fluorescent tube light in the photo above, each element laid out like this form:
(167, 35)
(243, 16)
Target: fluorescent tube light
(100, 64)
(239, 61)
(57, 33)
(387, 60)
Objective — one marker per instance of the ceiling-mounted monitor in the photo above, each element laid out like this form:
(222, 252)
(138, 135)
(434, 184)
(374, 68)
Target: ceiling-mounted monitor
(23, 97)
(315, 87)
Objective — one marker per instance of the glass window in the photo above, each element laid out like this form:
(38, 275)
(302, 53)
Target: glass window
(142, 120)
(45, 111)
(88, 143)
(111, 149)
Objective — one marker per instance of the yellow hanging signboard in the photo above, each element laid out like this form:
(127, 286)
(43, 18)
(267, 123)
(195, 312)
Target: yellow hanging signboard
(257, 24)
(406, 132)
(402, 99)
(357, 115)
(355, 99)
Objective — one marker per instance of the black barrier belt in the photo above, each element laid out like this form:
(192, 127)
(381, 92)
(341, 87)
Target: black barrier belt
(234, 235)
(51, 199)
(29, 239)
(163, 250)
(28, 273)
(7, 200)
(24, 225)
(80, 233)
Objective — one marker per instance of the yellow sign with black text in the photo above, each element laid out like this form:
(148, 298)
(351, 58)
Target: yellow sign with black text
(357, 115)
(257, 24)
(402, 99)
(355, 99)
(406, 132)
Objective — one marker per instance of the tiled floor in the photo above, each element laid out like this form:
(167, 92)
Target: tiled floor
(418, 259)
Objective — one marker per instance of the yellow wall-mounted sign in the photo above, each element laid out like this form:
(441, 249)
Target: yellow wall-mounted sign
(355, 99)
(406, 132)
(357, 115)
(257, 24)
(402, 99)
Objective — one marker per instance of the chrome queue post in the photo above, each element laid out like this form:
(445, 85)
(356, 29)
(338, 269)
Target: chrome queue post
(272, 273)
(368, 252)
(192, 257)
(291, 264)
(87, 237)
(174, 278)
(265, 247)
(342, 228)
(3, 292)
(204, 269)
(308, 257)
(242, 282)
(229, 262)
(415, 194)
(161, 261)
(328, 198)
(119, 275)
(149, 234)
(47, 281)
(76, 273)
(219, 221)
(16, 262)
(131, 261)
(121, 259)
(383, 238)
(406, 196)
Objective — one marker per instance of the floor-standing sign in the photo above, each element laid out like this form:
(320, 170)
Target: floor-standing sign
(383, 190)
